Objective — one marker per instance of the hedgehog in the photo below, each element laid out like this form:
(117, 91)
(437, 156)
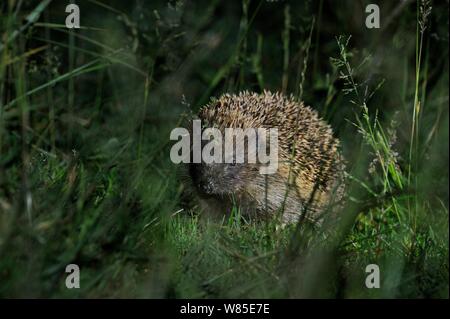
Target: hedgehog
(309, 180)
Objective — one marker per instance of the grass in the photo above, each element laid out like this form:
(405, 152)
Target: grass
(85, 175)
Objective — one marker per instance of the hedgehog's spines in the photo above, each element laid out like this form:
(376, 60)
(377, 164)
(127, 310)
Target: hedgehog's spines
(316, 161)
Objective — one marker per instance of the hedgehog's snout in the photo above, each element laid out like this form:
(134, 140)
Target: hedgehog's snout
(208, 187)
(202, 179)
(213, 179)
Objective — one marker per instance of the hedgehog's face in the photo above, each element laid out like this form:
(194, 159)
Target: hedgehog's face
(226, 169)
(217, 178)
